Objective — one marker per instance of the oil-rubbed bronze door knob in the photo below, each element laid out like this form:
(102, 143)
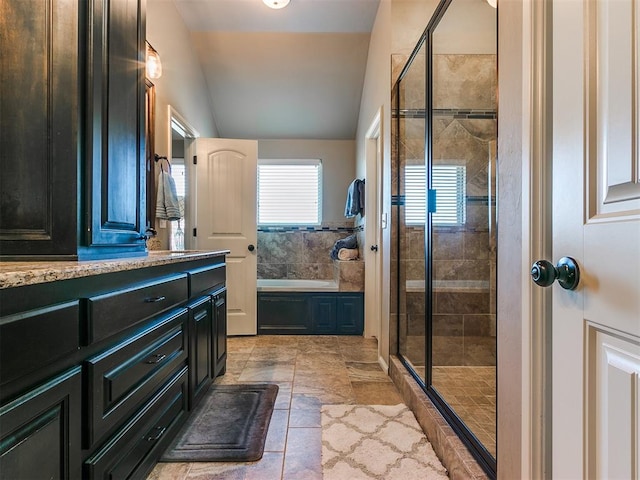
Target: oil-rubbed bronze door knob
(567, 273)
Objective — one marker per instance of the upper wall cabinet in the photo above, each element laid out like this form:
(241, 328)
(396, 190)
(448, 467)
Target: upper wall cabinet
(115, 123)
(72, 178)
(39, 104)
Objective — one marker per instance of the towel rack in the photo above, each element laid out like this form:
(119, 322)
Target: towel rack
(158, 158)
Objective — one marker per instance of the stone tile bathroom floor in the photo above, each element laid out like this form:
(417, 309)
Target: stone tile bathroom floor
(310, 371)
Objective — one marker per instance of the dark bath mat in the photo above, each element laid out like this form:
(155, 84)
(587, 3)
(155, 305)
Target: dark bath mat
(229, 425)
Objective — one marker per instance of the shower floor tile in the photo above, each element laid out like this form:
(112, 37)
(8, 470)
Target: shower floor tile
(471, 392)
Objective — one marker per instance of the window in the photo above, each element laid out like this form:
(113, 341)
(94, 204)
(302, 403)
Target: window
(449, 183)
(178, 172)
(289, 192)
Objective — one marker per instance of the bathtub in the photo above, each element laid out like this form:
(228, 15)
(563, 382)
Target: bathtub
(308, 307)
(293, 285)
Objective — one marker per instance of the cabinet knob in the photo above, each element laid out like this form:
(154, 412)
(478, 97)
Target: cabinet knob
(251, 247)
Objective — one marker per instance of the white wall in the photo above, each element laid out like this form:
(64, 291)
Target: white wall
(338, 168)
(376, 94)
(409, 19)
(397, 28)
(182, 84)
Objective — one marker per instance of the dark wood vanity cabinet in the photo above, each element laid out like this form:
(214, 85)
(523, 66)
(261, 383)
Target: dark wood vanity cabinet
(72, 146)
(40, 430)
(99, 373)
(200, 349)
(219, 340)
(208, 337)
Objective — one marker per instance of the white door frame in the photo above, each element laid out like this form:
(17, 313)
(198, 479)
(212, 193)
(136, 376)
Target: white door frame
(373, 213)
(524, 219)
(190, 133)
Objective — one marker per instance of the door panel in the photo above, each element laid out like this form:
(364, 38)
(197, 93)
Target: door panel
(226, 220)
(115, 132)
(615, 389)
(596, 219)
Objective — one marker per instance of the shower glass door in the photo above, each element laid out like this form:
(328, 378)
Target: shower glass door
(461, 236)
(443, 161)
(408, 165)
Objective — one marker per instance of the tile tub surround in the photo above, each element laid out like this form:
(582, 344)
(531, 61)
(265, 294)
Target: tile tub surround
(299, 253)
(453, 454)
(18, 274)
(349, 275)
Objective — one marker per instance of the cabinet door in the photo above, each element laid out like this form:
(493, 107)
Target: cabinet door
(40, 436)
(350, 314)
(115, 125)
(323, 313)
(286, 314)
(219, 333)
(38, 127)
(200, 321)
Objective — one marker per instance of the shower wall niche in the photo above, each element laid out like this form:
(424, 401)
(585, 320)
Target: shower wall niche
(444, 137)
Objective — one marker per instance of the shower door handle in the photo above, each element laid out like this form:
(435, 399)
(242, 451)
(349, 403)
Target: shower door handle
(567, 273)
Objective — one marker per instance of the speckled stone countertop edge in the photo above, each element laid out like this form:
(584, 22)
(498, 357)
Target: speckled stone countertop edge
(19, 274)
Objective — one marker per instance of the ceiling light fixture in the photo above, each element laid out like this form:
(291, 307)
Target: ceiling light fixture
(276, 4)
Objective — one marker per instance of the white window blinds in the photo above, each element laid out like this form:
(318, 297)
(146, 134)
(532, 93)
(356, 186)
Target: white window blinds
(449, 182)
(289, 192)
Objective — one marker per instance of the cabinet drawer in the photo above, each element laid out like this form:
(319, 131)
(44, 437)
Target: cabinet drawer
(133, 450)
(115, 311)
(123, 377)
(204, 279)
(30, 340)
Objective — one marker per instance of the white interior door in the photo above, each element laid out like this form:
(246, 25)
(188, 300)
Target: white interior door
(372, 249)
(226, 220)
(596, 210)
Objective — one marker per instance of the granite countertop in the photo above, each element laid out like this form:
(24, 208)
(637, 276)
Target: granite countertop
(18, 274)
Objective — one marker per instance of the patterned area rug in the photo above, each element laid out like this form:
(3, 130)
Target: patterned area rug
(381, 442)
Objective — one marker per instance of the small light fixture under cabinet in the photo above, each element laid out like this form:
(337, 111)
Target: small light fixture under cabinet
(154, 65)
(276, 4)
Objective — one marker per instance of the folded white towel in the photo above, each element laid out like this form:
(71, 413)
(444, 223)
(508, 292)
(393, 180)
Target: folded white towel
(348, 254)
(167, 205)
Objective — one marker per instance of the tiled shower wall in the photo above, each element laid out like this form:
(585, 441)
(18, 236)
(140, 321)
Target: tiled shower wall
(464, 130)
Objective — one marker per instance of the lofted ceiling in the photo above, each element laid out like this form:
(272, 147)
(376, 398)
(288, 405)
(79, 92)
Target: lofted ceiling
(293, 73)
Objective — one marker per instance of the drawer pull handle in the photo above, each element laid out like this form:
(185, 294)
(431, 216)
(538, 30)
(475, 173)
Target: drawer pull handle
(158, 357)
(161, 431)
(157, 299)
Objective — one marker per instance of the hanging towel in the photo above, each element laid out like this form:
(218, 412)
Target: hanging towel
(348, 254)
(354, 204)
(167, 205)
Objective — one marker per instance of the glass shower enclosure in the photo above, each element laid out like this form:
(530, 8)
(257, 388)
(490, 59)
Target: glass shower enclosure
(444, 108)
